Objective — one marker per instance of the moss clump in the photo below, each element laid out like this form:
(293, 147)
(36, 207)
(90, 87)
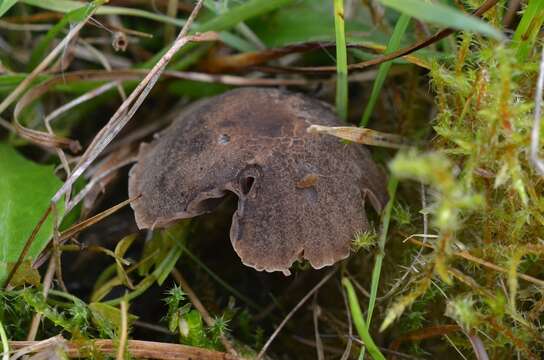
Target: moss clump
(486, 211)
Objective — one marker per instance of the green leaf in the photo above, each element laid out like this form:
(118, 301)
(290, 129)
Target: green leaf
(25, 191)
(297, 23)
(439, 14)
(5, 5)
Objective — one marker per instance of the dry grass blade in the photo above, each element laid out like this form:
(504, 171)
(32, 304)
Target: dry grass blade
(45, 63)
(137, 348)
(361, 135)
(49, 140)
(77, 228)
(129, 107)
(116, 123)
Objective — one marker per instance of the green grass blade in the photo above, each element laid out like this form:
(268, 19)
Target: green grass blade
(528, 28)
(440, 14)
(40, 49)
(360, 323)
(341, 61)
(5, 5)
(394, 43)
(5, 342)
(376, 272)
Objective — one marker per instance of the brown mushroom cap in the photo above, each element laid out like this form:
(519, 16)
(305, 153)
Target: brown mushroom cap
(300, 195)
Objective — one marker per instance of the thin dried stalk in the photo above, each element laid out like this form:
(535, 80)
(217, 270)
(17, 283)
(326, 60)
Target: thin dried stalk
(316, 312)
(468, 256)
(249, 60)
(94, 181)
(292, 312)
(201, 309)
(26, 248)
(77, 228)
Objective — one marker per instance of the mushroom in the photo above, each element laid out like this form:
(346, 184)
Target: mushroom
(300, 196)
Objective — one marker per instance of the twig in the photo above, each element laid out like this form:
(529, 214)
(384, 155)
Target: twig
(292, 312)
(137, 348)
(201, 309)
(511, 12)
(535, 133)
(28, 347)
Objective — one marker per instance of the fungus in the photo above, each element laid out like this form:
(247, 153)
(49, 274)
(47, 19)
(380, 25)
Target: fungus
(300, 195)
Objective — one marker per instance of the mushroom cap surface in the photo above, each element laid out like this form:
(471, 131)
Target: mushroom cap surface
(300, 196)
